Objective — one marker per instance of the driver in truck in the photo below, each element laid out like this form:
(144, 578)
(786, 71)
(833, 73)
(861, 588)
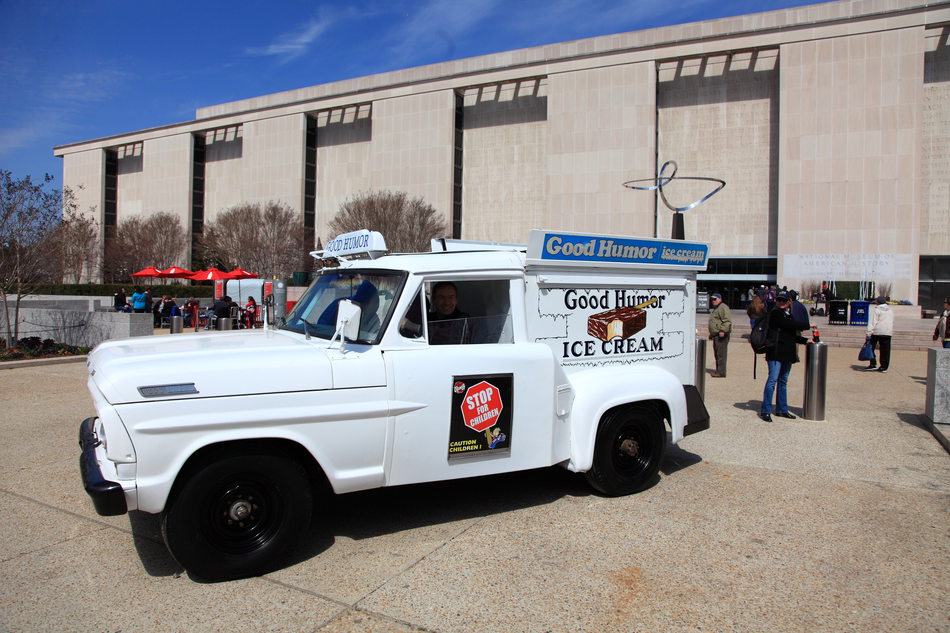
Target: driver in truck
(447, 324)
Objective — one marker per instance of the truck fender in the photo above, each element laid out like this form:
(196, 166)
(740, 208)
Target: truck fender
(599, 389)
(154, 491)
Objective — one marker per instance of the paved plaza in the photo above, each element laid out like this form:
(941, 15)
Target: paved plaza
(837, 525)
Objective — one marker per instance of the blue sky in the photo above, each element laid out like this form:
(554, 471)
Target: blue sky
(75, 70)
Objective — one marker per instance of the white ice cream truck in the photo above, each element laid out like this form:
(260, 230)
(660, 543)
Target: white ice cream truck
(474, 359)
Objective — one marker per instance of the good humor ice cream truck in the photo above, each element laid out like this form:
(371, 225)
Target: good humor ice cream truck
(474, 359)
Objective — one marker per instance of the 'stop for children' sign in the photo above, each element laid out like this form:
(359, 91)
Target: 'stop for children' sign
(582, 249)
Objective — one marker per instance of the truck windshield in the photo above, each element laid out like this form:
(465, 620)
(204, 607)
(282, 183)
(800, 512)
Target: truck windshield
(374, 291)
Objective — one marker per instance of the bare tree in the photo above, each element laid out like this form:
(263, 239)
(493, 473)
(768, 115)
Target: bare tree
(265, 239)
(810, 289)
(76, 241)
(883, 288)
(408, 225)
(156, 240)
(29, 215)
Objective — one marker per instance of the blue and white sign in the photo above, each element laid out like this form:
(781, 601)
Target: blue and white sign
(579, 248)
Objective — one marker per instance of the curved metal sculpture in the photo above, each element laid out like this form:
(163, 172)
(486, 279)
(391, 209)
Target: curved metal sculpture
(658, 183)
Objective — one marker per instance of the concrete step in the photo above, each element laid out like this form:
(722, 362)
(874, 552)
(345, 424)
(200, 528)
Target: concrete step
(844, 336)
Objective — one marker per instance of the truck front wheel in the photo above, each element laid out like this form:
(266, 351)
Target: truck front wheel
(628, 450)
(240, 516)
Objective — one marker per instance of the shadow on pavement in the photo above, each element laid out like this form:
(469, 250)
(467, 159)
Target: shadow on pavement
(678, 459)
(374, 513)
(913, 419)
(147, 538)
(749, 405)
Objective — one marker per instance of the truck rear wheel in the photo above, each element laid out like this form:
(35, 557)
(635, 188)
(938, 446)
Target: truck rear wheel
(628, 450)
(240, 516)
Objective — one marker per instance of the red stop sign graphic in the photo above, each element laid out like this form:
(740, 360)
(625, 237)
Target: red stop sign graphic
(481, 406)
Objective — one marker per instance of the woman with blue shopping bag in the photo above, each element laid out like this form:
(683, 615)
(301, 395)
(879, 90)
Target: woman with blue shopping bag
(880, 329)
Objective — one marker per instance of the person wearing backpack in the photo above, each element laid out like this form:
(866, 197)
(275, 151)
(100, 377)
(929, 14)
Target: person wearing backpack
(781, 356)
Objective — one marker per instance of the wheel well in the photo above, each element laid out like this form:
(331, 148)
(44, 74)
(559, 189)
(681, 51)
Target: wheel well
(660, 406)
(277, 447)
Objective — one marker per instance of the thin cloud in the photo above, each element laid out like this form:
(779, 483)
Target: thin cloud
(439, 27)
(65, 98)
(39, 126)
(442, 21)
(87, 87)
(289, 46)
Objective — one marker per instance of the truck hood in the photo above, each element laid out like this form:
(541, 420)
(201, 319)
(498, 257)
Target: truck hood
(208, 366)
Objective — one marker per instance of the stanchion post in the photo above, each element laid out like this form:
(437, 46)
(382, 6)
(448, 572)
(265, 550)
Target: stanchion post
(816, 374)
(699, 379)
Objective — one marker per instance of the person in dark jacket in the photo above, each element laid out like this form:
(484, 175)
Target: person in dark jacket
(781, 357)
(222, 307)
(799, 311)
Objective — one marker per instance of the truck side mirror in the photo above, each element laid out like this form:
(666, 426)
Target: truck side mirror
(348, 316)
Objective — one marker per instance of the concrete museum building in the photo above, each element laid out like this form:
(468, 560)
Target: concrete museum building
(830, 124)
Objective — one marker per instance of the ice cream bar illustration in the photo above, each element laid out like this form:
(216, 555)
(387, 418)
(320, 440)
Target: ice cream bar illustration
(619, 322)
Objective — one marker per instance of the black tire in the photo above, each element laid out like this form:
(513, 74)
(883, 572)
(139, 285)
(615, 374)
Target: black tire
(240, 516)
(628, 450)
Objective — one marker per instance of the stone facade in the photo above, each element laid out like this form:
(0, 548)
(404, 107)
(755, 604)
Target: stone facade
(828, 122)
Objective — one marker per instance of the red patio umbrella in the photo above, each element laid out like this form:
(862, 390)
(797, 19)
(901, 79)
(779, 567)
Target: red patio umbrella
(177, 272)
(151, 271)
(240, 273)
(212, 274)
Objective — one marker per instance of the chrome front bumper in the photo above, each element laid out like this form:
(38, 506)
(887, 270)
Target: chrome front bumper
(107, 496)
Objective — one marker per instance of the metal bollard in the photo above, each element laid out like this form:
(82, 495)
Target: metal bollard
(699, 379)
(280, 301)
(816, 372)
(175, 324)
(224, 323)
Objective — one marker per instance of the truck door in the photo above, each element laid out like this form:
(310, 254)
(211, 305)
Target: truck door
(472, 396)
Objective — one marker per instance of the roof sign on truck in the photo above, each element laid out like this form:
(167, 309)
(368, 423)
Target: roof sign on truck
(362, 242)
(582, 249)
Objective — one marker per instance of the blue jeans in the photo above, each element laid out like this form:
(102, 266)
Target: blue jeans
(946, 344)
(778, 375)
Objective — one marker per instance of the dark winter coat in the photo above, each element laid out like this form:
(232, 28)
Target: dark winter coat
(786, 349)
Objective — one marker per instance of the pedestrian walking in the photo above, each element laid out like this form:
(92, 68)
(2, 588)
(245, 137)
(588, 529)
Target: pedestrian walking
(720, 326)
(880, 329)
(942, 332)
(781, 357)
